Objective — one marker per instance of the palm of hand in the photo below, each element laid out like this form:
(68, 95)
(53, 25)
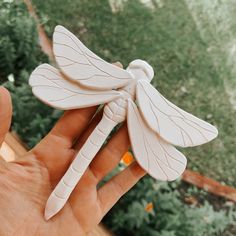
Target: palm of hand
(26, 183)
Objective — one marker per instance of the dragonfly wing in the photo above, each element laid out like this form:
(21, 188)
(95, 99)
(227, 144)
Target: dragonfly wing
(159, 158)
(49, 85)
(173, 124)
(80, 64)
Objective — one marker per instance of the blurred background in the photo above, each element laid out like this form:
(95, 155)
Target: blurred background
(192, 48)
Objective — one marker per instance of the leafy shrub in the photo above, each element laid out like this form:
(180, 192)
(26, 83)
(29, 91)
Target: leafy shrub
(170, 216)
(31, 118)
(19, 48)
(19, 55)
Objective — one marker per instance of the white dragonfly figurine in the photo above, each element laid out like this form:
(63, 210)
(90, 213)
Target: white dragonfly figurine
(154, 123)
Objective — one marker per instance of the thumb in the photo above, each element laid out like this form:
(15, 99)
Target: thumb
(5, 113)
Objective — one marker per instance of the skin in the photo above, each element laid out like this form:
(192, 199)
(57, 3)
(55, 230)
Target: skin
(26, 183)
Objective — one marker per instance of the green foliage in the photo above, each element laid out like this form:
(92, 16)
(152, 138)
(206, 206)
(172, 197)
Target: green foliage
(31, 119)
(170, 215)
(19, 47)
(19, 55)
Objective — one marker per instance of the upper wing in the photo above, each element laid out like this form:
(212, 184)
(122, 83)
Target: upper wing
(169, 121)
(80, 64)
(159, 158)
(50, 87)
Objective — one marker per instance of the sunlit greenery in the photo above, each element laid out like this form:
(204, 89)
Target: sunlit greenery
(20, 53)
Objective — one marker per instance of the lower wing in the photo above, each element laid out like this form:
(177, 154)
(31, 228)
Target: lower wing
(49, 85)
(159, 158)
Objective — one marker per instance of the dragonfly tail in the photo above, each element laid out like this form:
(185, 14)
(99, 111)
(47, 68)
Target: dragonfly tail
(64, 188)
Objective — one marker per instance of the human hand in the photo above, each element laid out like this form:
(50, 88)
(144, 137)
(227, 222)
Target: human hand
(26, 183)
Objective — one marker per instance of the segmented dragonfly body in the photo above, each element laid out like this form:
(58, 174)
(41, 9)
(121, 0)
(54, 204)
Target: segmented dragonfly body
(154, 126)
(114, 113)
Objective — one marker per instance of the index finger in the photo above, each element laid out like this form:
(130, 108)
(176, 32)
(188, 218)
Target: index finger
(73, 123)
(5, 113)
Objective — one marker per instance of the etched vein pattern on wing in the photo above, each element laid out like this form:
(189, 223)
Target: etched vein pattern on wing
(159, 158)
(51, 87)
(82, 65)
(172, 123)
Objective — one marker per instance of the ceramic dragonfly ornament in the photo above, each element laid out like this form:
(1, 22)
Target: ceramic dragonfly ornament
(155, 125)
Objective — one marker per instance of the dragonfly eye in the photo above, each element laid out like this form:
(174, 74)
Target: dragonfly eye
(140, 64)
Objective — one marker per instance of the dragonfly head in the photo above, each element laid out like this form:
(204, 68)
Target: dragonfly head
(147, 70)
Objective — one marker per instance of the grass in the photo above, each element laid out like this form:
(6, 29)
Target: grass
(168, 38)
